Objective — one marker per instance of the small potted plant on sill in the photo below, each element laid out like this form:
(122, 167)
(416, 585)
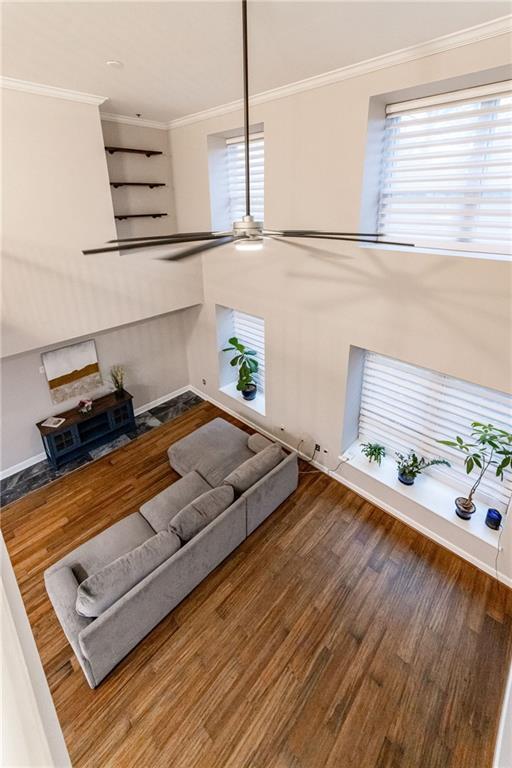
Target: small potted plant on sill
(245, 361)
(117, 377)
(489, 447)
(373, 452)
(410, 466)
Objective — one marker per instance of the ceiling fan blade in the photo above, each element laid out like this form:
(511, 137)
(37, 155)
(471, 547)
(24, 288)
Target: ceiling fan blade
(172, 239)
(345, 239)
(196, 235)
(306, 232)
(197, 249)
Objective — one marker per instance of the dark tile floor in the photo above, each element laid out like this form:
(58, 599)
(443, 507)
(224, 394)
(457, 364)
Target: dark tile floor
(16, 486)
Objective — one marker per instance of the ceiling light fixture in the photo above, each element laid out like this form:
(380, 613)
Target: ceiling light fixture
(247, 234)
(114, 63)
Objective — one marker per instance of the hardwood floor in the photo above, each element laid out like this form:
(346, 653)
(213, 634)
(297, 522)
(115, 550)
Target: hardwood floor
(334, 637)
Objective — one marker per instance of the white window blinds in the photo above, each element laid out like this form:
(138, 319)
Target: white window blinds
(250, 331)
(405, 407)
(236, 176)
(446, 175)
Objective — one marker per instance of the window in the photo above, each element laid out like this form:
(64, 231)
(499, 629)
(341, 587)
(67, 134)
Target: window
(236, 176)
(250, 330)
(404, 406)
(446, 174)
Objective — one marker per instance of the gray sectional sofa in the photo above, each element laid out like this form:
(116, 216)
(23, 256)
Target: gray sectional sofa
(111, 591)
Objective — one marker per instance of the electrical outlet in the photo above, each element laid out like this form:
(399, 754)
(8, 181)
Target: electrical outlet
(317, 447)
(204, 382)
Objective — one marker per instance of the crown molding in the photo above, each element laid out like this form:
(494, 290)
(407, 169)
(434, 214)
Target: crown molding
(494, 28)
(128, 120)
(51, 90)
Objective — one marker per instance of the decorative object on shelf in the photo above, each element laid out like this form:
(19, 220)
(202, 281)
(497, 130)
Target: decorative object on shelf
(489, 447)
(410, 466)
(493, 519)
(72, 370)
(245, 360)
(147, 152)
(79, 433)
(84, 406)
(52, 422)
(117, 376)
(373, 452)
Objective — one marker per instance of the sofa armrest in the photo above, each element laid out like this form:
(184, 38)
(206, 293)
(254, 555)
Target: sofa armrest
(106, 640)
(61, 586)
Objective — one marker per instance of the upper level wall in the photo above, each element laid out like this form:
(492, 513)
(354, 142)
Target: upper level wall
(56, 202)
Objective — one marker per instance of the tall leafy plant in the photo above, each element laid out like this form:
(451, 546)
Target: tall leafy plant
(489, 447)
(245, 360)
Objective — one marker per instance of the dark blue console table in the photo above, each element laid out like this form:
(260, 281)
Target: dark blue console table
(111, 416)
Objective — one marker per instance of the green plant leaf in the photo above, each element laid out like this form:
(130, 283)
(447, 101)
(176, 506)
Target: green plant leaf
(469, 465)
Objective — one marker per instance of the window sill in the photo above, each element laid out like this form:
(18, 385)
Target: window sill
(258, 404)
(427, 492)
(437, 251)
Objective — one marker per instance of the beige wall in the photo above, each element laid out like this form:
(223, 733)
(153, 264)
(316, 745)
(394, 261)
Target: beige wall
(152, 352)
(131, 167)
(58, 202)
(448, 313)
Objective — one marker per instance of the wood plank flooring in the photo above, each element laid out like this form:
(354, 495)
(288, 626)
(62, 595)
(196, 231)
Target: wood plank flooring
(334, 637)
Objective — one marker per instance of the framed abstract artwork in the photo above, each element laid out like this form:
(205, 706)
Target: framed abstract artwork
(72, 371)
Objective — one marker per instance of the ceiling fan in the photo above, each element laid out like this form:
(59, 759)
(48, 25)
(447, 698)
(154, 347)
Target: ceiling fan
(246, 234)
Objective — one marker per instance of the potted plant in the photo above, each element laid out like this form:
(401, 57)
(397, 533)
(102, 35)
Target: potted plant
(373, 452)
(489, 447)
(245, 360)
(410, 466)
(117, 377)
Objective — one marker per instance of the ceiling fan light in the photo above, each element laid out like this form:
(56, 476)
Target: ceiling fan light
(249, 244)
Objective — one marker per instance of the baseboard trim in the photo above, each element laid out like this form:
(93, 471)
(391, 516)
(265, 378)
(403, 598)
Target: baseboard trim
(163, 399)
(22, 465)
(26, 463)
(364, 494)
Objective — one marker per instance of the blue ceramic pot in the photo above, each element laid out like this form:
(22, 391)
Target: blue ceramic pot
(250, 392)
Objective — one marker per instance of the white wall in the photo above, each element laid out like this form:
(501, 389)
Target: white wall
(153, 353)
(31, 734)
(448, 313)
(59, 202)
(130, 167)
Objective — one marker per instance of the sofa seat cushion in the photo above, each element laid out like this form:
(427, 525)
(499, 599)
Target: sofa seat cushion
(213, 450)
(102, 549)
(160, 510)
(200, 512)
(101, 590)
(255, 468)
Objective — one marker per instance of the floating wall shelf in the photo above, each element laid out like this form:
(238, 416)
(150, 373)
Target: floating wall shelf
(149, 184)
(147, 152)
(121, 216)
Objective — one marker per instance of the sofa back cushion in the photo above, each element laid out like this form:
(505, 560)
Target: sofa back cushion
(101, 590)
(255, 468)
(160, 510)
(200, 512)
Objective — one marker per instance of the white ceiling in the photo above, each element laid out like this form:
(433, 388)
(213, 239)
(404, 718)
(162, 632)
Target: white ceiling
(183, 57)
